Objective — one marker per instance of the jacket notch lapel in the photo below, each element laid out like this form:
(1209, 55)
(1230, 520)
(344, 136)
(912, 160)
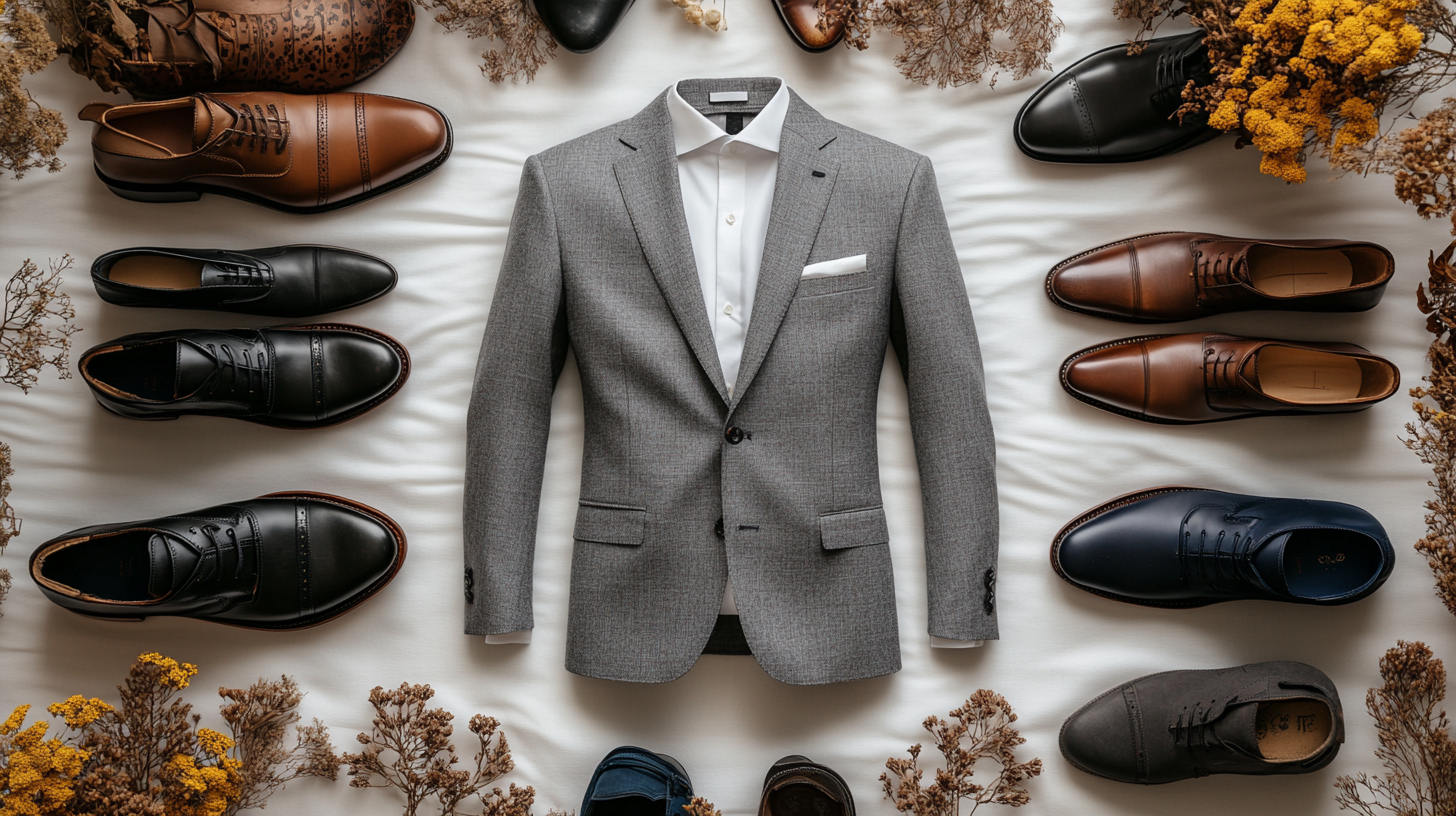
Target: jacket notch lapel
(650, 188)
(802, 188)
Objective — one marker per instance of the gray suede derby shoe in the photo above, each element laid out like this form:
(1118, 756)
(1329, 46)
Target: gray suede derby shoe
(1260, 719)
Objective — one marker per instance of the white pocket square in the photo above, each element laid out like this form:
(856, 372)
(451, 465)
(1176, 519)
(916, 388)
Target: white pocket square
(838, 266)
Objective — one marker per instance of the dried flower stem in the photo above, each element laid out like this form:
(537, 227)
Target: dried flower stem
(524, 42)
(1415, 741)
(258, 718)
(36, 327)
(953, 42)
(1433, 435)
(9, 524)
(982, 729)
(30, 134)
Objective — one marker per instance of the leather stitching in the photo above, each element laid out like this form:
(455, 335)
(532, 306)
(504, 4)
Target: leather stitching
(1084, 116)
(1137, 283)
(363, 140)
(301, 550)
(1135, 726)
(320, 393)
(322, 137)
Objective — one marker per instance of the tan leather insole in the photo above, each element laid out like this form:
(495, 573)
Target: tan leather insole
(1300, 375)
(172, 129)
(1292, 729)
(158, 272)
(1281, 272)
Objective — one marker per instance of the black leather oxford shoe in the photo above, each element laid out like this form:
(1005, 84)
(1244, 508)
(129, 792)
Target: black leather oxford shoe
(1112, 107)
(582, 25)
(633, 781)
(1261, 719)
(287, 281)
(288, 377)
(1185, 547)
(281, 561)
(796, 786)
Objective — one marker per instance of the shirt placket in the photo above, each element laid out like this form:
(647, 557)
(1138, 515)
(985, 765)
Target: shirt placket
(730, 316)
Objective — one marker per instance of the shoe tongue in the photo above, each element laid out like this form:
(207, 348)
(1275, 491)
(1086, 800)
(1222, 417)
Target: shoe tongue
(172, 563)
(194, 366)
(1268, 562)
(1238, 727)
(208, 118)
(1249, 371)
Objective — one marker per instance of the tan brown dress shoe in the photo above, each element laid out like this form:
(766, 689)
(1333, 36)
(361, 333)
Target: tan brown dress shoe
(1164, 277)
(813, 25)
(300, 154)
(1183, 379)
(309, 46)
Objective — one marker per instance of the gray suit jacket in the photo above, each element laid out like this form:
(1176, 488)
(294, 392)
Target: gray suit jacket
(599, 259)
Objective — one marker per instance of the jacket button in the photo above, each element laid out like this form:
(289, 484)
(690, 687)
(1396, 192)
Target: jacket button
(718, 528)
(734, 435)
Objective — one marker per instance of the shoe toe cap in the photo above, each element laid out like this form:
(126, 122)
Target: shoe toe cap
(404, 136)
(581, 25)
(1055, 125)
(359, 369)
(348, 279)
(1098, 739)
(1102, 282)
(1114, 375)
(804, 19)
(350, 551)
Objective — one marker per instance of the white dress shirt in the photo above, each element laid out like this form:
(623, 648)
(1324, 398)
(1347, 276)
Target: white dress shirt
(727, 185)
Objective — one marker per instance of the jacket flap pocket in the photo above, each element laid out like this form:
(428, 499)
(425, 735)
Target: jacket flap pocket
(854, 528)
(610, 524)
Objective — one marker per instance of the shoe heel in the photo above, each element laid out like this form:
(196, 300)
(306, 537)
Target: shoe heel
(156, 196)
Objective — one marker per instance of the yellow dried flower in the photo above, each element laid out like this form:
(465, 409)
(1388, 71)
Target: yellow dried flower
(214, 743)
(202, 790)
(175, 675)
(39, 775)
(78, 711)
(14, 721)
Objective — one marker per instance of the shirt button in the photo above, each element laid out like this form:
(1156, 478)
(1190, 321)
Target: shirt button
(732, 218)
(728, 310)
(734, 435)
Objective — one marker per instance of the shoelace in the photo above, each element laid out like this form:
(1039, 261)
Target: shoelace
(1175, 69)
(1220, 370)
(180, 21)
(1212, 551)
(215, 548)
(256, 128)
(242, 272)
(1217, 270)
(1193, 727)
(240, 365)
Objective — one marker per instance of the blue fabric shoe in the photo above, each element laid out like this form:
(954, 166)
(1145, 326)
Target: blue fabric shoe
(633, 781)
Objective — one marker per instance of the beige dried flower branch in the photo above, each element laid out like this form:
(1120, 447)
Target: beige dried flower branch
(36, 327)
(694, 13)
(954, 42)
(4, 585)
(410, 749)
(9, 524)
(1433, 435)
(982, 729)
(698, 806)
(1415, 740)
(258, 718)
(523, 42)
(30, 134)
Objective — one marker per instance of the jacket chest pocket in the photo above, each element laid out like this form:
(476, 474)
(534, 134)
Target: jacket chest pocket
(610, 524)
(834, 285)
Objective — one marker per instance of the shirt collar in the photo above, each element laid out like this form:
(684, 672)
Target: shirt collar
(692, 130)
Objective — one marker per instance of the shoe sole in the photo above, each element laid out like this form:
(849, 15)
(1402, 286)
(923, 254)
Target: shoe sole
(317, 619)
(192, 191)
(1096, 403)
(1107, 507)
(404, 374)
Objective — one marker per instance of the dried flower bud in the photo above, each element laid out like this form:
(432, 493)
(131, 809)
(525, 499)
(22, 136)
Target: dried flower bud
(713, 18)
(694, 14)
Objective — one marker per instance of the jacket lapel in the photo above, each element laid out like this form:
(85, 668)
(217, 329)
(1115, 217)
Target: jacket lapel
(804, 182)
(650, 187)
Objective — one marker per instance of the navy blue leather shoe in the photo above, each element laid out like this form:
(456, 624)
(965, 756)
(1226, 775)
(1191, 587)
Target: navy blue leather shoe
(633, 781)
(1186, 547)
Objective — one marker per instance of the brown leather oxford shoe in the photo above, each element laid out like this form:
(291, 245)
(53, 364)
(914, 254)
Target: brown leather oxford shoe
(1183, 379)
(300, 154)
(814, 25)
(1164, 277)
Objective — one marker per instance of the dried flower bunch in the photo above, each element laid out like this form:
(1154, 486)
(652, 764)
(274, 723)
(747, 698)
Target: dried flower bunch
(1433, 435)
(982, 729)
(1415, 740)
(30, 135)
(524, 44)
(97, 35)
(954, 42)
(150, 757)
(410, 749)
(9, 524)
(698, 806)
(694, 13)
(36, 328)
(4, 585)
(1297, 78)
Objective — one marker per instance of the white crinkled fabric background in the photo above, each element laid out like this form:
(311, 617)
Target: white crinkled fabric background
(726, 720)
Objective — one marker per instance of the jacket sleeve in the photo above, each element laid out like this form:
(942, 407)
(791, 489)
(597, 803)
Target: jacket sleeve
(521, 357)
(935, 338)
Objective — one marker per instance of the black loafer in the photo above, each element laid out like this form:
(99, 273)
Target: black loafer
(798, 786)
(287, 281)
(281, 561)
(582, 25)
(288, 377)
(1112, 107)
(1261, 719)
(1187, 547)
